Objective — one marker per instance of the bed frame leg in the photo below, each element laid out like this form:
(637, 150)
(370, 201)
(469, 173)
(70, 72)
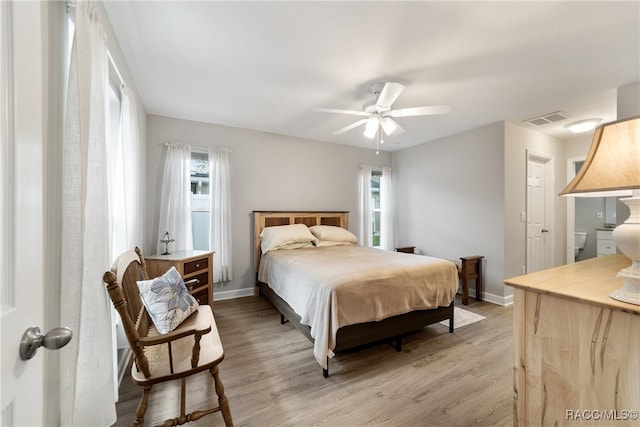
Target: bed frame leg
(282, 319)
(325, 371)
(451, 323)
(396, 343)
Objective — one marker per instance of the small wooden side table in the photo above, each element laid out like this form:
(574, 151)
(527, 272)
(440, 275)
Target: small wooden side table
(407, 249)
(471, 269)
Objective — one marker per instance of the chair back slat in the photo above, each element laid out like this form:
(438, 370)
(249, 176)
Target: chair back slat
(123, 290)
(134, 272)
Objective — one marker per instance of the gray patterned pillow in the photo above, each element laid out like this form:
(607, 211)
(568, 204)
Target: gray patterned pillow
(167, 300)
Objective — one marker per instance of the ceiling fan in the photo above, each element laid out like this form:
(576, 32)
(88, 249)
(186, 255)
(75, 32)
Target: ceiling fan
(379, 114)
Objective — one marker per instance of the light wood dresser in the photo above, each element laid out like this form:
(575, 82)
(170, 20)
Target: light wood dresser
(191, 265)
(576, 350)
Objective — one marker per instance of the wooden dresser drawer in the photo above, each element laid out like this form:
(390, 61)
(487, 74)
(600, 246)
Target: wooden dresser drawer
(202, 278)
(196, 265)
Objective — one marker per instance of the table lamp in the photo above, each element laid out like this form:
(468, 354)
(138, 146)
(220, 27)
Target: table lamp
(612, 168)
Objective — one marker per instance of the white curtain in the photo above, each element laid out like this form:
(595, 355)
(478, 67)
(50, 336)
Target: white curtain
(87, 395)
(220, 218)
(175, 199)
(124, 173)
(386, 210)
(366, 210)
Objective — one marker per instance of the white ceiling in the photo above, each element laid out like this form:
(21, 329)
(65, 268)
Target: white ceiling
(266, 65)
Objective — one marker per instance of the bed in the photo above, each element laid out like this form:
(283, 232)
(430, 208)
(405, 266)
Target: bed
(367, 295)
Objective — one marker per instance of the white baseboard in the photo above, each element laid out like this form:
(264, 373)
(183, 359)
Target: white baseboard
(500, 300)
(492, 298)
(236, 293)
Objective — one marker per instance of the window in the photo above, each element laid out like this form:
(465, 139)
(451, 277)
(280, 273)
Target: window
(115, 154)
(376, 220)
(200, 200)
(376, 212)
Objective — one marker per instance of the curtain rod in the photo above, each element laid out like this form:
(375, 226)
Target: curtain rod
(196, 149)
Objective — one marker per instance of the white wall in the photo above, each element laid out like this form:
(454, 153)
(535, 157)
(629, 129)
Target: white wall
(577, 147)
(449, 200)
(628, 100)
(268, 172)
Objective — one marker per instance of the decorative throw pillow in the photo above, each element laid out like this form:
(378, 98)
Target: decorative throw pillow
(167, 300)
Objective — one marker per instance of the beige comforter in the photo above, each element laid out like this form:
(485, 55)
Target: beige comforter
(331, 287)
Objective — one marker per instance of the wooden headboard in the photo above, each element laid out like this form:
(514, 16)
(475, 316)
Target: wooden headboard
(263, 219)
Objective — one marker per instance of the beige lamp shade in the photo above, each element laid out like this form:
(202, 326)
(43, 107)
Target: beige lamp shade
(613, 163)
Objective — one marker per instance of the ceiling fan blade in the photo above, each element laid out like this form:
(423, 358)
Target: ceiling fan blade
(389, 126)
(420, 111)
(338, 111)
(351, 126)
(389, 94)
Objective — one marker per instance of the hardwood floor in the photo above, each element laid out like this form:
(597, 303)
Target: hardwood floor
(272, 379)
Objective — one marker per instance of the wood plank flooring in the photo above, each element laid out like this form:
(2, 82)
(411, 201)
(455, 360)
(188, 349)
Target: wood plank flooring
(272, 379)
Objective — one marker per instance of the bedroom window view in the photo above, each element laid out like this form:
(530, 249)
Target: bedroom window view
(117, 215)
(200, 200)
(376, 211)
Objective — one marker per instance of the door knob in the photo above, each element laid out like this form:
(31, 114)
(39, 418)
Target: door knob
(544, 230)
(32, 340)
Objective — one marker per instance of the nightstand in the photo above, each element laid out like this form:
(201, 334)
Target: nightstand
(471, 269)
(406, 249)
(191, 265)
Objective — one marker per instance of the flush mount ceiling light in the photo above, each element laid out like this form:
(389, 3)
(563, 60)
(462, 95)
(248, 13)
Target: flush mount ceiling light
(582, 125)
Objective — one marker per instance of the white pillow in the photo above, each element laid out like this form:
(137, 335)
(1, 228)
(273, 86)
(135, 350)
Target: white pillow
(167, 300)
(333, 234)
(279, 237)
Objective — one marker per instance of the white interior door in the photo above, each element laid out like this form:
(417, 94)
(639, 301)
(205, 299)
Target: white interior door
(535, 216)
(539, 212)
(21, 213)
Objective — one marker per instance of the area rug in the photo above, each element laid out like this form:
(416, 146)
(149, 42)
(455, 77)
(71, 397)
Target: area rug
(462, 317)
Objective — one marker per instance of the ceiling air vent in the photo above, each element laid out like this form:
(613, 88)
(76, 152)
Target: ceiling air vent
(547, 118)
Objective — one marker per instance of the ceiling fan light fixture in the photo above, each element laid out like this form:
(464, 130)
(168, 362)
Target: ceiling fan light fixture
(582, 125)
(371, 128)
(389, 126)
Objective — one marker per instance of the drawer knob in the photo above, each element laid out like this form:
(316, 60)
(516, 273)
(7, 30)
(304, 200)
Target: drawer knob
(197, 265)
